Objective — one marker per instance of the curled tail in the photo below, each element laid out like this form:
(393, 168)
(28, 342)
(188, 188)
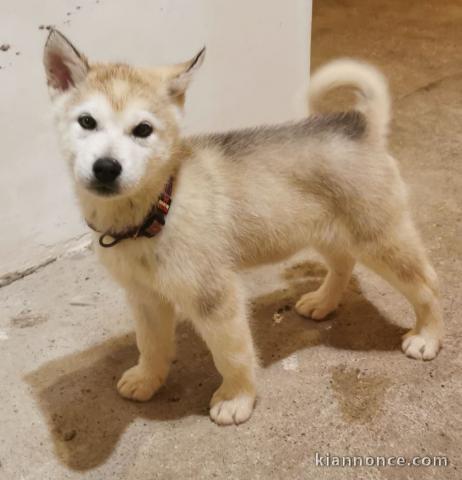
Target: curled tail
(371, 88)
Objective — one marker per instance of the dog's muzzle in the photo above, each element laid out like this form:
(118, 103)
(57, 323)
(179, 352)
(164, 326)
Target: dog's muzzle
(106, 171)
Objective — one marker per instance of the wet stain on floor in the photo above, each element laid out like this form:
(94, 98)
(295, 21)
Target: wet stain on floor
(360, 395)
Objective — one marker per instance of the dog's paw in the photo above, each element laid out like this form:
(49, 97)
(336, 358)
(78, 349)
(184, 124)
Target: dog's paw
(138, 384)
(422, 345)
(228, 409)
(316, 305)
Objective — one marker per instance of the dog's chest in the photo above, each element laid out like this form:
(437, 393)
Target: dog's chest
(132, 262)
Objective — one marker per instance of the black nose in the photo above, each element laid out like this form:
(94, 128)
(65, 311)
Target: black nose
(106, 170)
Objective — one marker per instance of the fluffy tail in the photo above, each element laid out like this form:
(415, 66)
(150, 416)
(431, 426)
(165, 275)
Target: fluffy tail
(371, 87)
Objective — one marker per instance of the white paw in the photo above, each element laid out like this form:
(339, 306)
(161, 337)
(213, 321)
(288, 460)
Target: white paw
(422, 346)
(138, 384)
(226, 410)
(316, 305)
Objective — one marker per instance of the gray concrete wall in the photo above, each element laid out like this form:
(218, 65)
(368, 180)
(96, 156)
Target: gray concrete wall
(255, 72)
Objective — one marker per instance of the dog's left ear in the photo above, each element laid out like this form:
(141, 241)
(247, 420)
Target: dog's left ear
(180, 75)
(65, 67)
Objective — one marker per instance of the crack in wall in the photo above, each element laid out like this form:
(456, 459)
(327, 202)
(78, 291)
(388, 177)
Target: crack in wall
(11, 277)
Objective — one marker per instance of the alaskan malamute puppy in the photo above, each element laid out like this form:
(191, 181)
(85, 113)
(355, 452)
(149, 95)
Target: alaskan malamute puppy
(175, 218)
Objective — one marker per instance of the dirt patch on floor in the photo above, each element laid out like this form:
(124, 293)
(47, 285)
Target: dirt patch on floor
(360, 395)
(27, 319)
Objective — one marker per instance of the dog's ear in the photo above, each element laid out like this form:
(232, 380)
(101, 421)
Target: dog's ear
(180, 75)
(65, 67)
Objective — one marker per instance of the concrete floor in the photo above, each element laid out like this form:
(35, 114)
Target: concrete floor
(340, 387)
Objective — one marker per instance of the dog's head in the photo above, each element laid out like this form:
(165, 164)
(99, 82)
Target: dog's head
(118, 125)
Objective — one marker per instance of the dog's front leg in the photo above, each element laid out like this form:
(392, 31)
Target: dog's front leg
(222, 322)
(155, 331)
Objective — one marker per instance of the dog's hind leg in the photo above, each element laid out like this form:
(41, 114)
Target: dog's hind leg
(401, 260)
(325, 299)
(155, 331)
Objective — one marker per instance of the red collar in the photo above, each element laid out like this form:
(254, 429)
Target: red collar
(151, 225)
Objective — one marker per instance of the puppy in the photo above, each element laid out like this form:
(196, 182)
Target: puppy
(175, 218)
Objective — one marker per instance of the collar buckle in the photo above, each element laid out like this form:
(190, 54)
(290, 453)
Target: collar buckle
(151, 225)
(114, 241)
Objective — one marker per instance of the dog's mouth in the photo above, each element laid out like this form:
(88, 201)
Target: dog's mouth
(104, 190)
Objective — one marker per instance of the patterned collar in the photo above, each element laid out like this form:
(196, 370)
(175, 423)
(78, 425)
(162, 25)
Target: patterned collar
(151, 225)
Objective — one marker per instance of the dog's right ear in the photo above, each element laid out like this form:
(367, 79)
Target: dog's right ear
(65, 67)
(179, 76)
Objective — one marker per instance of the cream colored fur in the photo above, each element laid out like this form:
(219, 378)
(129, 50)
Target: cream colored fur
(371, 88)
(242, 199)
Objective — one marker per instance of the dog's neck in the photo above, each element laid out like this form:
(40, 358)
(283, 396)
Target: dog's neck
(119, 213)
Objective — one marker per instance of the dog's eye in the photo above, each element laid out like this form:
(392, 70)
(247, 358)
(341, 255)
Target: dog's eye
(87, 122)
(142, 130)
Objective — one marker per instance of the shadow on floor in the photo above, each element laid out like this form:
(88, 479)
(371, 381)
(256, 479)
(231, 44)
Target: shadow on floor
(86, 416)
